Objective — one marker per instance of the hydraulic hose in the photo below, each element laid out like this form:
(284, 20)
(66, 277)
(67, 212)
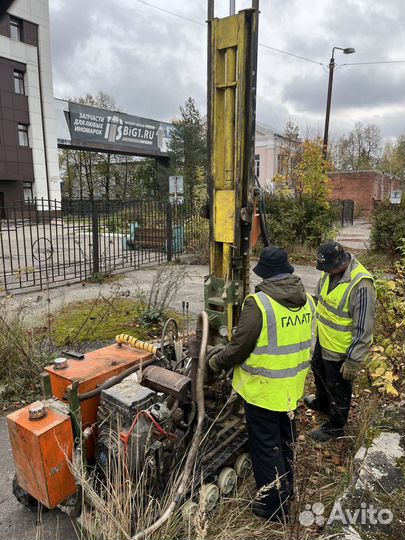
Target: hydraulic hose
(192, 453)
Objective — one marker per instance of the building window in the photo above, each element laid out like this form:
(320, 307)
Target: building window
(23, 135)
(16, 29)
(28, 194)
(279, 164)
(257, 165)
(19, 82)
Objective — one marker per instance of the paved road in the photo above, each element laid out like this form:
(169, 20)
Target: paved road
(18, 522)
(37, 304)
(357, 236)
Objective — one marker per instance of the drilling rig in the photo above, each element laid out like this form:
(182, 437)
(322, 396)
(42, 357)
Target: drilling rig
(115, 409)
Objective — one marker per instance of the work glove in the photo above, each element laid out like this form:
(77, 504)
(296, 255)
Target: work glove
(211, 357)
(213, 364)
(349, 369)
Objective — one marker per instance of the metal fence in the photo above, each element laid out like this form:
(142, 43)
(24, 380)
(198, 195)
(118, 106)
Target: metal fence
(346, 212)
(47, 242)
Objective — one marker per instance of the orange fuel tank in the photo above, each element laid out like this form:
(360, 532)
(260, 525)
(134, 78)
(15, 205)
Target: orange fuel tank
(42, 448)
(94, 369)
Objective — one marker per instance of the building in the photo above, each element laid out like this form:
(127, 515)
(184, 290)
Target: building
(365, 188)
(28, 143)
(268, 150)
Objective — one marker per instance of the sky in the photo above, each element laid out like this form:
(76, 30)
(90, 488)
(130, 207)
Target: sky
(151, 61)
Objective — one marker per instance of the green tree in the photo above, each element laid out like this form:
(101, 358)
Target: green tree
(393, 158)
(360, 149)
(188, 147)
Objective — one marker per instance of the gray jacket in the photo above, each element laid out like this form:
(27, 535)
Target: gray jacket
(361, 309)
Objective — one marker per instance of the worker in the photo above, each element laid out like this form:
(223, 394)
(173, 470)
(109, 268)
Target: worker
(344, 320)
(270, 354)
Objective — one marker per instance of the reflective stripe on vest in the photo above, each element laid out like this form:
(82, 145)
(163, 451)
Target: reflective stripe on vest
(273, 376)
(334, 322)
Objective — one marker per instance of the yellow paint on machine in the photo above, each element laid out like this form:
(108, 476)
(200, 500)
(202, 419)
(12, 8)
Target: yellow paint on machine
(225, 215)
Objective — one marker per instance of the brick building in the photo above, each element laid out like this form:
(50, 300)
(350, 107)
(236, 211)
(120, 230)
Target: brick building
(363, 187)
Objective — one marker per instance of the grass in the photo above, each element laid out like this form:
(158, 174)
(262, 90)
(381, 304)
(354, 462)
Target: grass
(98, 321)
(376, 262)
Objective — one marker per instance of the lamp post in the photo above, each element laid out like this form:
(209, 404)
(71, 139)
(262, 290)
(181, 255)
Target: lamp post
(348, 50)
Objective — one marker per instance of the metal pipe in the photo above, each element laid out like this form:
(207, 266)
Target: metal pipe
(192, 453)
(115, 380)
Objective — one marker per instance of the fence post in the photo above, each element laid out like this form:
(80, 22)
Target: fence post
(169, 231)
(96, 251)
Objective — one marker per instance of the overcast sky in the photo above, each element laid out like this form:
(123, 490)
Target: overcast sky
(151, 61)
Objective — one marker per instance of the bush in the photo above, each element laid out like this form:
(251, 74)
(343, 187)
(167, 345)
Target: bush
(388, 227)
(299, 220)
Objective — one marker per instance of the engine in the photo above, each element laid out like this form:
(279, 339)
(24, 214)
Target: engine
(144, 425)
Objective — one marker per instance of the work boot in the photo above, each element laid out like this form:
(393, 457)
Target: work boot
(325, 433)
(259, 509)
(313, 403)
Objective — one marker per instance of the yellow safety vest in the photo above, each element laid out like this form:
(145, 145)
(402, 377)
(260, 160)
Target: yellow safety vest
(273, 376)
(333, 323)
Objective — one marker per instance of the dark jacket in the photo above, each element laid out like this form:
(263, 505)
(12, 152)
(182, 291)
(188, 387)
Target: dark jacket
(286, 289)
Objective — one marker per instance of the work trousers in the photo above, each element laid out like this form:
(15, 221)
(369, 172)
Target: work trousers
(333, 393)
(271, 444)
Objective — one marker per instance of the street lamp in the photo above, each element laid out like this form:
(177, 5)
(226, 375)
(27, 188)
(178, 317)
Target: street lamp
(347, 50)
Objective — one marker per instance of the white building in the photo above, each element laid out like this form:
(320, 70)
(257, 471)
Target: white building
(268, 149)
(28, 152)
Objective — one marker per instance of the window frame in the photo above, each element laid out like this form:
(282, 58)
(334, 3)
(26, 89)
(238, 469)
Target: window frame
(19, 76)
(257, 165)
(16, 23)
(28, 186)
(25, 131)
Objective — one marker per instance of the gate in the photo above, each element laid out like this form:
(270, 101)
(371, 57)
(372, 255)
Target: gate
(347, 212)
(48, 242)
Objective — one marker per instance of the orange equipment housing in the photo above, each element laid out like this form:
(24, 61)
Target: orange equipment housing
(41, 450)
(95, 368)
(43, 447)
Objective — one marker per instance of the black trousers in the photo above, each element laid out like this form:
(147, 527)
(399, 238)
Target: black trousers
(271, 444)
(333, 393)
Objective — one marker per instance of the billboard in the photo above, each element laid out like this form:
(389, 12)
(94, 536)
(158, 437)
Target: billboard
(117, 131)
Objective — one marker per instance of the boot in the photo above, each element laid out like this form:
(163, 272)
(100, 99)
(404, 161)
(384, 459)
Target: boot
(326, 433)
(313, 403)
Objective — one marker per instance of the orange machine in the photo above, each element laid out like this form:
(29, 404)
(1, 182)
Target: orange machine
(42, 447)
(90, 372)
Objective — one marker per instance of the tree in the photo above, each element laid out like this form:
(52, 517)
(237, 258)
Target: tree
(290, 157)
(393, 158)
(360, 149)
(311, 173)
(188, 147)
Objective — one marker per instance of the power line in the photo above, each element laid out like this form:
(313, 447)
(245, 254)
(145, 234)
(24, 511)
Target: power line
(370, 63)
(268, 46)
(291, 54)
(171, 13)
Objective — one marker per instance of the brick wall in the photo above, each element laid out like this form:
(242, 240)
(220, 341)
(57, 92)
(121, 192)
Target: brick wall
(363, 187)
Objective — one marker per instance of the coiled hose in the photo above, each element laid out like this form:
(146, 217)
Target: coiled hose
(202, 322)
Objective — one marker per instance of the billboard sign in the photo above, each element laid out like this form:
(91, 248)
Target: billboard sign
(116, 130)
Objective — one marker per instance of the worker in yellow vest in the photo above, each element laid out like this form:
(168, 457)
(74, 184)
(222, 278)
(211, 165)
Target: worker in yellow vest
(270, 354)
(344, 321)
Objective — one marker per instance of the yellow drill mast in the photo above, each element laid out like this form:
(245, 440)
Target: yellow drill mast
(232, 68)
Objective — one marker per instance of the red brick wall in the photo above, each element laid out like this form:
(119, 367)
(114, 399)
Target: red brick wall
(363, 187)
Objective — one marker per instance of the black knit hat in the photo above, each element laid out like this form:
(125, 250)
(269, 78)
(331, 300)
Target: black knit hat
(330, 256)
(273, 261)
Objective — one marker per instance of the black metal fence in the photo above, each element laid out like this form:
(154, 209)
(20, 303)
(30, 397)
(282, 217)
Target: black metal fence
(46, 242)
